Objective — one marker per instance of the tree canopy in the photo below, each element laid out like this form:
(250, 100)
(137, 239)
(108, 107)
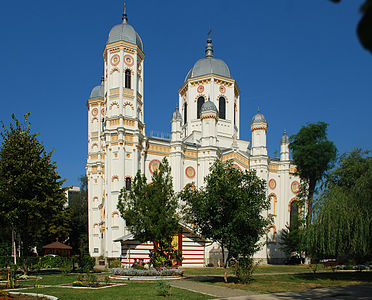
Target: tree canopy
(150, 209)
(313, 154)
(229, 209)
(343, 216)
(31, 195)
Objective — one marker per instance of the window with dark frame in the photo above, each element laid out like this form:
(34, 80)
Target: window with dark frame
(200, 103)
(185, 113)
(128, 183)
(127, 79)
(222, 108)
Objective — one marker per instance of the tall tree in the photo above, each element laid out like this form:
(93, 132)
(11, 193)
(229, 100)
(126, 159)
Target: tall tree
(313, 154)
(229, 210)
(150, 209)
(343, 219)
(31, 193)
(78, 204)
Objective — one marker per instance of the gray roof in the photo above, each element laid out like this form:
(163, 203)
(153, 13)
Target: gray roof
(209, 65)
(176, 115)
(208, 106)
(98, 91)
(258, 118)
(125, 32)
(284, 139)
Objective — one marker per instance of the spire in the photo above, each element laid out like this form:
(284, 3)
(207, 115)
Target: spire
(125, 18)
(209, 47)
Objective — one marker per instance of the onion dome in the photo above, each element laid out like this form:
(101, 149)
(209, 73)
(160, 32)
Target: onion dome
(209, 65)
(208, 106)
(258, 118)
(284, 139)
(125, 32)
(98, 91)
(176, 115)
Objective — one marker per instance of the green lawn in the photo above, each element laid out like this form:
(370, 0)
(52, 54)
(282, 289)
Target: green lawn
(294, 282)
(133, 290)
(260, 270)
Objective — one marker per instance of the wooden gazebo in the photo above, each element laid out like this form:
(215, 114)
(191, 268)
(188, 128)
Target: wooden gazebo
(57, 248)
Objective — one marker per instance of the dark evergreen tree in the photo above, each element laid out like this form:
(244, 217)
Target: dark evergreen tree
(31, 195)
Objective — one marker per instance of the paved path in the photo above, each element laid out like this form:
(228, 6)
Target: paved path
(360, 291)
(211, 290)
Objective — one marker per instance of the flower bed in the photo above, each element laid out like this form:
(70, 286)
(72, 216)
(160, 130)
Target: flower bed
(149, 272)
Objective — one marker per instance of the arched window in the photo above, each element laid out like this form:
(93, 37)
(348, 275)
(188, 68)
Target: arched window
(200, 103)
(128, 183)
(222, 108)
(293, 219)
(185, 113)
(127, 78)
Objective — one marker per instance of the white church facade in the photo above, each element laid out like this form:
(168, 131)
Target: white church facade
(205, 126)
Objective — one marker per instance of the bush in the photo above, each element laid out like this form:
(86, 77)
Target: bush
(244, 268)
(115, 264)
(149, 272)
(164, 288)
(87, 263)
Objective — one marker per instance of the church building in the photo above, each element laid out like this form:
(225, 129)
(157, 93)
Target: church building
(205, 126)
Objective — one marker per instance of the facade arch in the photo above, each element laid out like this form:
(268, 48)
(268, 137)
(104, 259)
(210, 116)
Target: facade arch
(222, 108)
(199, 104)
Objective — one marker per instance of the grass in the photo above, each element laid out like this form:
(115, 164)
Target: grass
(133, 290)
(294, 282)
(260, 270)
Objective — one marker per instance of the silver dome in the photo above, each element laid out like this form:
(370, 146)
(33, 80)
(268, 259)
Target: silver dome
(124, 32)
(98, 91)
(209, 65)
(284, 139)
(208, 106)
(176, 115)
(258, 118)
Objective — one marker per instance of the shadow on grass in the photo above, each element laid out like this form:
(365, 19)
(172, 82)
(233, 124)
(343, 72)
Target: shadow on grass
(305, 277)
(338, 276)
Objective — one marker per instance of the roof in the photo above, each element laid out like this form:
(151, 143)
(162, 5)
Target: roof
(208, 106)
(125, 32)
(98, 91)
(56, 245)
(209, 65)
(258, 118)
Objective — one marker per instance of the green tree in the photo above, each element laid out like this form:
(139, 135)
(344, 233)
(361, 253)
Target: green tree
(364, 29)
(229, 210)
(150, 211)
(78, 204)
(31, 196)
(343, 217)
(313, 154)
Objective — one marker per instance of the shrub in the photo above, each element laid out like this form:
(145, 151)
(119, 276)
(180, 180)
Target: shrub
(87, 263)
(244, 268)
(164, 288)
(115, 264)
(149, 272)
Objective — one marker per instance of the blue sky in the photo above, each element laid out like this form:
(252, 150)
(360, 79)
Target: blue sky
(299, 61)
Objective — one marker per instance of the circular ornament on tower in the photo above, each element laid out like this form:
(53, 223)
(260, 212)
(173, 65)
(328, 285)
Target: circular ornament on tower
(95, 111)
(102, 111)
(115, 59)
(128, 60)
(272, 184)
(200, 89)
(154, 165)
(295, 187)
(190, 172)
(222, 89)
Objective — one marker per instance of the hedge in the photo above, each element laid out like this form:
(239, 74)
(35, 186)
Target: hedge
(149, 272)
